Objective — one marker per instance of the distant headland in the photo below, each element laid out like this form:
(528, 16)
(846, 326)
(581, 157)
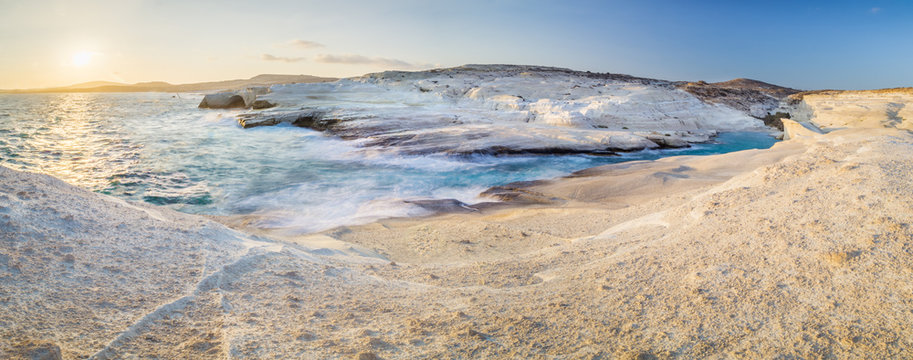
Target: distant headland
(161, 86)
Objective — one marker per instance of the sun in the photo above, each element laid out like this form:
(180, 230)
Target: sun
(81, 58)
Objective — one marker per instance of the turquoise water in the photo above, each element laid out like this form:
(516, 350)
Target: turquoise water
(159, 148)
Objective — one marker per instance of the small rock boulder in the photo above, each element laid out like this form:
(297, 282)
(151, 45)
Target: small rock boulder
(228, 100)
(261, 104)
(668, 140)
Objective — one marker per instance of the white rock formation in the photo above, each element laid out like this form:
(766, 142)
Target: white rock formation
(807, 244)
(241, 99)
(228, 100)
(856, 109)
(561, 97)
(84, 274)
(478, 108)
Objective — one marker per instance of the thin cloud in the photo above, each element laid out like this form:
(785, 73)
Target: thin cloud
(268, 57)
(875, 10)
(304, 44)
(351, 59)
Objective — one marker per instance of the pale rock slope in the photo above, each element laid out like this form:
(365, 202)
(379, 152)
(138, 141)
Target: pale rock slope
(513, 109)
(854, 109)
(561, 97)
(804, 250)
(801, 251)
(83, 274)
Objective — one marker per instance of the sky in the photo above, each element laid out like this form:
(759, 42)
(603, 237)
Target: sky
(801, 44)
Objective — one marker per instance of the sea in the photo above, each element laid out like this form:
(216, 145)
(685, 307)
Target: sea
(161, 149)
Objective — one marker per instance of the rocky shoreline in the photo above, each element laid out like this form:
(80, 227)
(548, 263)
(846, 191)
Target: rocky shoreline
(803, 250)
(512, 109)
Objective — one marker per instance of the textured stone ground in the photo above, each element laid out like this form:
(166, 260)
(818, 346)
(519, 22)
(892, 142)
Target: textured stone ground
(804, 250)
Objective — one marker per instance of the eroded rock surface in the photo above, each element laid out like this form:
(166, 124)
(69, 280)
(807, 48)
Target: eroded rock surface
(241, 99)
(228, 100)
(511, 109)
(808, 243)
(854, 109)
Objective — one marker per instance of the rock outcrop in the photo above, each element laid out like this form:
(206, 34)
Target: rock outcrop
(312, 119)
(513, 109)
(836, 109)
(243, 99)
(114, 278)
(261, 104)
(228, 100)
(566, 98)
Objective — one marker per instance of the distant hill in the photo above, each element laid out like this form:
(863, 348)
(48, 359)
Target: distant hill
(770, 89)
(704, 89)
(92, 84)
(160, 86)
(753, 97)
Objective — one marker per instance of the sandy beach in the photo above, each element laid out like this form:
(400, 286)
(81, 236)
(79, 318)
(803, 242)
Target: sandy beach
(803, 250)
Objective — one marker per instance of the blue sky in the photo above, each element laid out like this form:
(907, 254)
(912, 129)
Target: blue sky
(808, 45)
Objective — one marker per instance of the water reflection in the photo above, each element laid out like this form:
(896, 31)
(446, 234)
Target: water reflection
(161, 149)
(77, 138)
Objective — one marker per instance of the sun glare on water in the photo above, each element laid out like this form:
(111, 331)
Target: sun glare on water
(81, 58)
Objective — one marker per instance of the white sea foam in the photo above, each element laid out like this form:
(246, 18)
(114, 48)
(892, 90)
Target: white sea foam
(162, 149)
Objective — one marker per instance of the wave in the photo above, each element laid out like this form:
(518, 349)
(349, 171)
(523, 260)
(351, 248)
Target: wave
(155, 148)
